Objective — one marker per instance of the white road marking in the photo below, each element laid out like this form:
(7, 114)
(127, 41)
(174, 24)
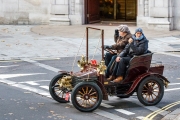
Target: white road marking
(41, 65)
(173, 83)
(42, 80)
(34, 82)
(125, 111)
(31, 83)
(25, 87)
(44, 93)
(4, 76)
(7, 82)
(45, 87)
(140, 117)
(106, 105)
(165, 53)
(8, 66)
(108, 115)
(172, 89)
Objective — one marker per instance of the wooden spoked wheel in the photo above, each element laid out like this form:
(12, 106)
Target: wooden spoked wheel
(150, 91)
(57, 93)
(86, 96)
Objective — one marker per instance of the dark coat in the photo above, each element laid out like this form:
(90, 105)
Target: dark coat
(121, 42)
(137, 47)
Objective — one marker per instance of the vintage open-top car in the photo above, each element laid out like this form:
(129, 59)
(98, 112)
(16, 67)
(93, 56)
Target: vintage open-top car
(88, 87)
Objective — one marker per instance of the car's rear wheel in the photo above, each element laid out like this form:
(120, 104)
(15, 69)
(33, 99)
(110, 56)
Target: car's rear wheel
(150, 91)
(86, 96)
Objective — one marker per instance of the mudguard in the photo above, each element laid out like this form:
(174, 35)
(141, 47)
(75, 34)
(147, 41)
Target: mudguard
(141, 77)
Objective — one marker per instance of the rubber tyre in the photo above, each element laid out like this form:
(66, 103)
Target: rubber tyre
(141, 87)
(51, 89)
(82, 85)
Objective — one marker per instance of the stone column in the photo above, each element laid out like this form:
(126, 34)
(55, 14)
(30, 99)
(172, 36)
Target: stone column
(77, 12)
(143, 12)
(160, 14)
(146, 8)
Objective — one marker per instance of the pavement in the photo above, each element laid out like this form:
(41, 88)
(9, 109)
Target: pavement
(54, 41)
(49, 42)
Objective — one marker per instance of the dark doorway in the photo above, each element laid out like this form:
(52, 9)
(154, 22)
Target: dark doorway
(118, 9)
(110, 10)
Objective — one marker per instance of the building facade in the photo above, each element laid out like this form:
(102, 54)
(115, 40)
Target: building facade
(153, 14)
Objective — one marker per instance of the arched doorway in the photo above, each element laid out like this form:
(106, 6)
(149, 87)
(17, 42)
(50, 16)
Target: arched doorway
(110, 10)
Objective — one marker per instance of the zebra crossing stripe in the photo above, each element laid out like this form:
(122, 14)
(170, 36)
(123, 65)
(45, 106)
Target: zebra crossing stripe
(8, 66)
(108, 115)
(106, 105)
(45, 87)
(31, 89)
(125, 111)
(31, 83)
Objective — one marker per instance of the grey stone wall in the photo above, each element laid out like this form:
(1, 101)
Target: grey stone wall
(24, 11)
(62, 12)
(159, 14)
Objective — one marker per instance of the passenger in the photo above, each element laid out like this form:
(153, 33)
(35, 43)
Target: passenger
(138, 45)
(121, 37)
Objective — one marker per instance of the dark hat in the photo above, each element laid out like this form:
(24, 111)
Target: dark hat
(138, 30)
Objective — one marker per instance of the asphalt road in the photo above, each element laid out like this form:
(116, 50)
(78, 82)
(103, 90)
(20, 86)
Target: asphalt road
(24, 93)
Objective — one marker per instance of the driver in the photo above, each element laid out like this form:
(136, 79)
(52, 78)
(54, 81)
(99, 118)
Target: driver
(121, 37)
(138, 45)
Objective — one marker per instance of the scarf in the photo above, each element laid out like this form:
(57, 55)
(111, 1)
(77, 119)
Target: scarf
(140, 38)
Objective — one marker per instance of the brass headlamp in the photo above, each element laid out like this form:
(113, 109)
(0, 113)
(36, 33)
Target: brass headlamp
(101, 68)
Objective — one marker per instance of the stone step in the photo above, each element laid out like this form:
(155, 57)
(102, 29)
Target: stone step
(59, 20)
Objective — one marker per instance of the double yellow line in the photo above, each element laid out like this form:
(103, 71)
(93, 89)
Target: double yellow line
(153, 114)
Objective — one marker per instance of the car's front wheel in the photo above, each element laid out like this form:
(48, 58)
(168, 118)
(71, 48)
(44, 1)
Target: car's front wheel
(86, 96)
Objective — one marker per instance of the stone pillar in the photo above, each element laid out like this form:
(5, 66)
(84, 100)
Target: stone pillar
(77, 12)
(176, 11)
(143, 12)
(146, 8)
(160, 13)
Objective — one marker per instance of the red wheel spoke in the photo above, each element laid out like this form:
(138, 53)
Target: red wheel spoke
(152, 97)
(148, 97)
(154, 94)
(156, 87)
(146, 87)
